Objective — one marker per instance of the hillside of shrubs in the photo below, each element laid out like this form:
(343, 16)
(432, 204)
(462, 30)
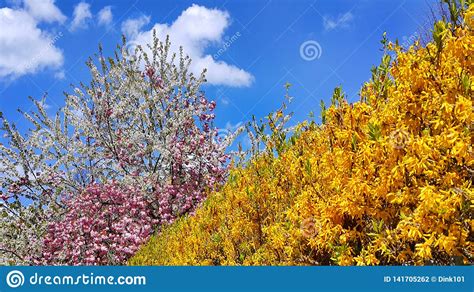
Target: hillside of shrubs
(132, 169)
(387, 180)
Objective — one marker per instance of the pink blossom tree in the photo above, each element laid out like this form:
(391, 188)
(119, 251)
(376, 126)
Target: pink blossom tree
(104, 225)
(142, 122)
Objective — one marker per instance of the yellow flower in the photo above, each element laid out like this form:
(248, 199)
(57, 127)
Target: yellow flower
(387, 180)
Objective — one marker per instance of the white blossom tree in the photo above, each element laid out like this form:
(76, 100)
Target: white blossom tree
(142, 121)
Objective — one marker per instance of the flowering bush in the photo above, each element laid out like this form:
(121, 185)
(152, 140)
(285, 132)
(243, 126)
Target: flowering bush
(387, 180)
(142, 122)
(104, 225)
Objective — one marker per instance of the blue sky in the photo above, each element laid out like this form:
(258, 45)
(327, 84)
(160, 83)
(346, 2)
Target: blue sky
(263, 51)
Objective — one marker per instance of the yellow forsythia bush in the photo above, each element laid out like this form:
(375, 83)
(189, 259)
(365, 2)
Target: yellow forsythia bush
(387, 180)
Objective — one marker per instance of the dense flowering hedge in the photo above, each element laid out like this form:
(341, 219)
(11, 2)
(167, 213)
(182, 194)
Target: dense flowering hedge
(387, 180)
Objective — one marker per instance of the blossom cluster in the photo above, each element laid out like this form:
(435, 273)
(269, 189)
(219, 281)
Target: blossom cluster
(104, 225)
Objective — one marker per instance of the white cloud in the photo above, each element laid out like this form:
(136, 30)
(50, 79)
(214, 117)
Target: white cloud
(82, 13)
(131, 27)
(25, 48)
(219, 72)
(44, 10)
(105, 16)
(342, 21)
(195, 30)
